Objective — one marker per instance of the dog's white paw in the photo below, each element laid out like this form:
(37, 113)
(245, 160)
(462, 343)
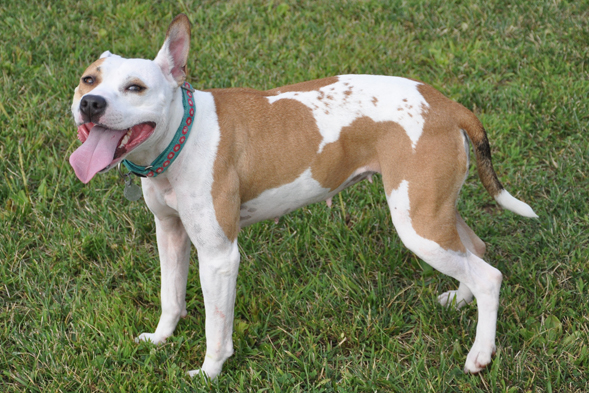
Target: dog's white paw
(150, 337)
(196, 373)
(452, 298)
(200, 373)
(478, 358)
(210, 368)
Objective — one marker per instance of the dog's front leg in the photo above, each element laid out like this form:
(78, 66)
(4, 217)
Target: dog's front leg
(174, 251)
(218, 267)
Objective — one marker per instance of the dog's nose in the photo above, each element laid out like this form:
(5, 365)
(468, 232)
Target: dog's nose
(93, 106)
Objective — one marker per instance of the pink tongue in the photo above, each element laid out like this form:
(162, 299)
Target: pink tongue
(96, 153)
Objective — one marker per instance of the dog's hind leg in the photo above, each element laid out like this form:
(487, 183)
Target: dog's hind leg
(426, 224)
(463, 295)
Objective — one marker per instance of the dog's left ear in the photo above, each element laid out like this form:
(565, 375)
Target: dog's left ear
(173, 55)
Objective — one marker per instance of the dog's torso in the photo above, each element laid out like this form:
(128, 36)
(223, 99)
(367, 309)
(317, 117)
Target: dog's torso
(257, 155)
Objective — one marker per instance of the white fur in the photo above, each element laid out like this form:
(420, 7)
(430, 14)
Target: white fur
(506, 200)
(282, 200)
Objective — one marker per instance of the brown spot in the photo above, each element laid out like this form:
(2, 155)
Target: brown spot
(94, 72)
(330, 97)
(355, 148)
(374, 100)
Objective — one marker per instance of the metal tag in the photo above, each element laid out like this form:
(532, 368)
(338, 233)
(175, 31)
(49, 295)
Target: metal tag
(132, 191)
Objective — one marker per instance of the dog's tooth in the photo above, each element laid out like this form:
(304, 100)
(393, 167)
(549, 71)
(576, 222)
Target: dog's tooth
(125, 139)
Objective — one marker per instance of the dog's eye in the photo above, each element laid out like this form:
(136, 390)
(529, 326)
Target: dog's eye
(135, 88)
(89, 80)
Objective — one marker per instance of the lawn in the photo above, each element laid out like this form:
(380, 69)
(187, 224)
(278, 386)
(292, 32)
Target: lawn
(328, 298)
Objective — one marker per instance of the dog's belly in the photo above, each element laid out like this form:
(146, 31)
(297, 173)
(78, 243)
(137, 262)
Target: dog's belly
(282, 200)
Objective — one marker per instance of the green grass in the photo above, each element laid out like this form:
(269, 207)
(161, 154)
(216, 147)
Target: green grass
(326, 301)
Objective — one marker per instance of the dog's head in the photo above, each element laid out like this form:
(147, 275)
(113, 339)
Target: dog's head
(123, 105)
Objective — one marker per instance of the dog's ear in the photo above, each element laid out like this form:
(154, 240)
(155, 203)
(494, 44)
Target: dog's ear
(173, 55)
(108, 54)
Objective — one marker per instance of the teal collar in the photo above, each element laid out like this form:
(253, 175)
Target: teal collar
(167, 157)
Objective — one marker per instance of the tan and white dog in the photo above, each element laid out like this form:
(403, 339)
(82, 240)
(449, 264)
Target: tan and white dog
(256, 155)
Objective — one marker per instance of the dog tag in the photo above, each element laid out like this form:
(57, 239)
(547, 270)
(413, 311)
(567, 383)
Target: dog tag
(132, 191)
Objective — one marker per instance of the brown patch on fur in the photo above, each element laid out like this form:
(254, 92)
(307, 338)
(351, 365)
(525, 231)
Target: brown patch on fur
(94, 71)
(357, 147)
(260, 152)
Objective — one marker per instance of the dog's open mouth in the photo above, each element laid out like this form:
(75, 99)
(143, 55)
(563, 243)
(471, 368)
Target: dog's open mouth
(102, 147)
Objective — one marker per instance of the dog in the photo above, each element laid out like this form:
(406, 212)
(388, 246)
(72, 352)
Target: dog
(214, 161)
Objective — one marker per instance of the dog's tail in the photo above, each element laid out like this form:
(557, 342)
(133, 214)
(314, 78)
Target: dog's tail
(478, 137)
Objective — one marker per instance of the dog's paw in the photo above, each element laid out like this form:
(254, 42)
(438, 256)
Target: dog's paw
(150, 337)
(197, 373)
(200, 373)
(452, 299)
(478, 358)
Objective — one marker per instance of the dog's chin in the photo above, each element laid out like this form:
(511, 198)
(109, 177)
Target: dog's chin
(128, 142)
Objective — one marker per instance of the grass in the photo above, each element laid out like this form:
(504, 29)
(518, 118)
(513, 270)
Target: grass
(328, 299)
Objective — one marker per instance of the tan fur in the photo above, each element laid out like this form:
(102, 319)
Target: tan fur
(94, 71)
(355, 148)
